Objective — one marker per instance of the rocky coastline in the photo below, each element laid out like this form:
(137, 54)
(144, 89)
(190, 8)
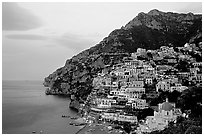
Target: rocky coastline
(74, 105)
(75, 79)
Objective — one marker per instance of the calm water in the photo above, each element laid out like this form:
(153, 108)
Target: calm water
(26, 108)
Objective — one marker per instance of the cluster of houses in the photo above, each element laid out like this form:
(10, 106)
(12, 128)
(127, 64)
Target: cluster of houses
(123, 86)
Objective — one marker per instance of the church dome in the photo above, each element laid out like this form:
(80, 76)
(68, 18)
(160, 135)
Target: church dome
(166, 106)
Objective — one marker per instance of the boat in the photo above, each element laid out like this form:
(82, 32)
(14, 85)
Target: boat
(65, 116)
(77, 124)
(80, 124)
(72, 123)
(73, 118)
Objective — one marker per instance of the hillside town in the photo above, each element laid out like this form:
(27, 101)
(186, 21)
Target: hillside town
(130, 92)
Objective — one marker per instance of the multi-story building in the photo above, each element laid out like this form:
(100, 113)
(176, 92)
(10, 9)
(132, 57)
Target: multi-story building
(128, 92)
(171, 80)
(132, 78)
(109, 115)
(151, 70)
(164, 86)
(162, 68)
(133, 71)
(127, 118)
(130, 89)
(199, 78)
(117, 66)
(104, 102)
(147, 67)
(167, 80)
(178, 87)
(170, 59)
(119, 117)
(133, 63)
(148, 81)
(171, 72)
(183, 75)
(138, 84)
(197, 64)
(138, 103)
(139, 69)
(194, 71)
(167, 111)
(141, 50)
(115, 92)
(114, 84)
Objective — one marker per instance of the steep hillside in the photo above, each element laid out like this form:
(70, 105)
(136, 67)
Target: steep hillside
(149, 31)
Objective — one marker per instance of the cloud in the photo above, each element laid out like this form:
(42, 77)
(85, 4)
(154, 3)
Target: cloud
(26, 37)
(16, 18)
(75, 42)
(194, 7)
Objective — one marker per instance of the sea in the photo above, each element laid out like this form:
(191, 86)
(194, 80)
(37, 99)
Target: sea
(27, 109)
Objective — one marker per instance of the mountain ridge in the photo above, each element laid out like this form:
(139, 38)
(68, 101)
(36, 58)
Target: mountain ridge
(147, 30)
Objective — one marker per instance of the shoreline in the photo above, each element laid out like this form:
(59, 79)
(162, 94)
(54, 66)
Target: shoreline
(80, 120)
(81, 129)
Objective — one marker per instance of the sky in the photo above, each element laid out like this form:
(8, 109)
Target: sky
(38, 38)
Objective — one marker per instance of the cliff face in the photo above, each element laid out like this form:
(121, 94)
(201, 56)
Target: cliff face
(149, 31)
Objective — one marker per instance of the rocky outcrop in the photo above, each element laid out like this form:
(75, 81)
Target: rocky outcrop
(74, 105)
(159, 20)
(147, 30)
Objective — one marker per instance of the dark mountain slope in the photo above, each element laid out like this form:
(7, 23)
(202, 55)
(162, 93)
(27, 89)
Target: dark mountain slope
(149, 31)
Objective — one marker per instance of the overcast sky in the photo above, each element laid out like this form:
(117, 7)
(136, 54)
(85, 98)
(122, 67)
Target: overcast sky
(38, 38)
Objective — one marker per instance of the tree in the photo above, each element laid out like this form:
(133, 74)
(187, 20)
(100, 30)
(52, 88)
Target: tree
(183, 65)
(173, 96)
(194, 130)
(176, 49)
(190, 99)
(160, 90)
(144, 96)
(185, 82)
(127, 127)
(149, 54)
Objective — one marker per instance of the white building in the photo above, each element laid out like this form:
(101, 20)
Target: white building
(104, 103)
(147, 68)
(138, 104)
(141, 50)
(165, 114)
(128, 92)
(197, 64)
(178, 87)
(199, 78)
(164, 86)
(109, 115)
(137, 84)
(148, 81)
(127, 118)
(167, 111)
(119, 117)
